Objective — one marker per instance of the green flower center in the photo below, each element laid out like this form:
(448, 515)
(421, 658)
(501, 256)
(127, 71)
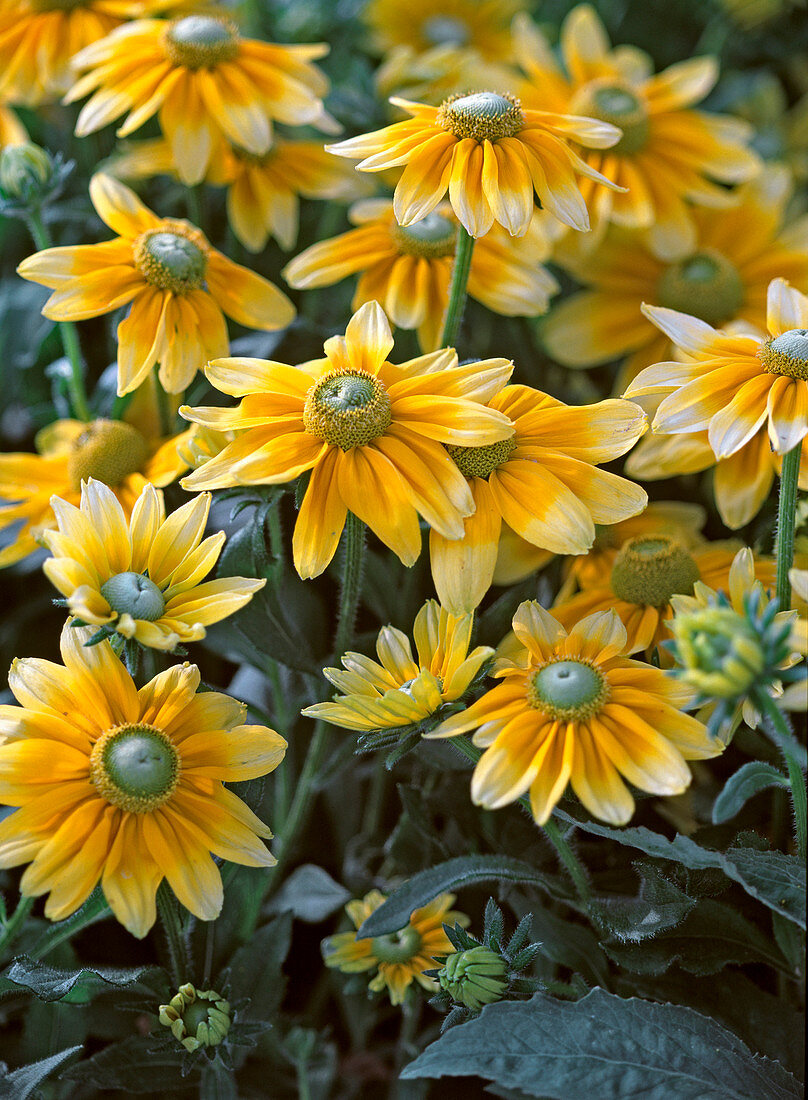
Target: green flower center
(567, 690)
(481, 461)
(787, 354)
(446, 30)
(135, 767)
(107, 450)
(649, 571)
(200, 41)
(169, 259)
(431, 237)
(621, 107)
(135, 595)
(482, 116)
(398, 947)
(347, 408)
(705, 285)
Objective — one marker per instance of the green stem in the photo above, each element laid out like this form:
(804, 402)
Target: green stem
(196, 204)
(165, 413)
(352, 570)
(457, 288)
(786, 518)
(67, 330)
(301, 803)
(785, 740)
(15, 923)
(175, 937)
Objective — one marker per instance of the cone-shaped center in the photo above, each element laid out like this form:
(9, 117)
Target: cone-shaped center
(446, 30)
(168, 258)
(619, 106)
(649, 571)
(567, 689)
(135, 767)
(483, 115)
(200, 41)
(431, 237)
(135, 595)
(398, 947)
(109, 451)
(787, 354)
(347, 408)
(705, 285)
(481, 461)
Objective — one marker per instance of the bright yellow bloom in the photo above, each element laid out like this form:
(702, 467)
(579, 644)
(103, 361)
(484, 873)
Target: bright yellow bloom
(177, 284)
(491, 154)
(70, 451)
(370, 432)
(401, 957)
(667, 154)
(126, 786)
(408, 270)
(12, 131)
(143, 578)
(402, 691)
(204, 82)
(573, 709)
(442, 71)
(423, 25)
(542, 482)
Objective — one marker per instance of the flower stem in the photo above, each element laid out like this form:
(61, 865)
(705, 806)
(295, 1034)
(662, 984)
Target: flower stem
(352, 570)
(14, 924)
(786, 518)
(457, 288)
(67, 330)
(785, 740)
(175, 937)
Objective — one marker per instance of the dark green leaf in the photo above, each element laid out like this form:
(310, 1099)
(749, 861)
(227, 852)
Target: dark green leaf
(310, 894)
(658, 906)
(136, 1065)
(739, 788)
(72, 986)
(20, 1083)
(94, 909)
(255, 969)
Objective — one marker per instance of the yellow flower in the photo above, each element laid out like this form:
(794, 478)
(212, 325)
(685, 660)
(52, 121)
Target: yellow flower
(126, 786)
(439, 72)
(12, 131)
(142, 578)
(177, 284)
(408, 270)
(490, 154)
(423, 25)
(573, 709)
(70, 451)
(203, 81)
(369, 431)
(401, 957)
(542, 482)
(402, 691)
(667, 154)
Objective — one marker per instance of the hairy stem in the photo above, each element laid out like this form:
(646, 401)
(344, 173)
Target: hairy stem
(457, 288)
(786, 517)
(785, 741)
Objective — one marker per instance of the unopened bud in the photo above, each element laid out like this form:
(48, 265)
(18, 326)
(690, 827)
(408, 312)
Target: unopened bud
(196, 1017)
(29, 177)
(720, 652)
(475, 977)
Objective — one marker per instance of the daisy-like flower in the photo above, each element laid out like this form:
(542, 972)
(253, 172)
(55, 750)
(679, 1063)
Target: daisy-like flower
(142, 579)
(643, 578)
(402, 691)
(204, 82)
(542, 481)
(400, 958)
(572, 708)
(408, 269)
(126, 786)
(667, 155)
(370, 432)
(490, 154)
(70, 452)
(483, 27)
(179, 288)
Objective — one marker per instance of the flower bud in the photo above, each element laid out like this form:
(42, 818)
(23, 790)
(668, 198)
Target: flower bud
(475, 977)
(29, 177)
(720, 652)
(196, 1018)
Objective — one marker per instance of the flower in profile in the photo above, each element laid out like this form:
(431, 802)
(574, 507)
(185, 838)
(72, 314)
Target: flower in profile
(126, 786)
(196, 1017)
(490, 154)
(572, 708)
(141, 579)
(204, 82)
(179, 288)
(401, 957)
(402, 691)
(371, 434)
(112, 451)
(668, 154)
(542, 482)
(408, 269)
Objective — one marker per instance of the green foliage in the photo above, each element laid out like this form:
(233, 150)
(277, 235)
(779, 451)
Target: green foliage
(21, 1083)
(748, 781)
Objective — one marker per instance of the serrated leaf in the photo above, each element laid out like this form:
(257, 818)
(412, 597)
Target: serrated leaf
(658, 906)
(603, 1045)
(20, 1083)
(135, 1065)
(310, 894)
(748, 781)
(72, 986)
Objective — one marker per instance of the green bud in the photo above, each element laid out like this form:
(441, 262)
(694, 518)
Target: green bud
(196, 1017)
(720, 652)
(475, 977)
(25, 171)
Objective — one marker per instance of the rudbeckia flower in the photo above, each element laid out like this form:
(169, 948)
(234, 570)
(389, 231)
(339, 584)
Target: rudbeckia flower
(400, 958)
(126, 787)
(141, 578)
(408, 269)
(572, 708)
(542, 481)
(402, 691)
(490, 154)
(668, 155)
(70, 452)
(177, 284)
(371, 434)
(203, 81)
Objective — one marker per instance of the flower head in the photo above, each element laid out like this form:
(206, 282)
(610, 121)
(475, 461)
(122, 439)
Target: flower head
(126, 786)
(456, 24)
(196, 1017)
(475, 977)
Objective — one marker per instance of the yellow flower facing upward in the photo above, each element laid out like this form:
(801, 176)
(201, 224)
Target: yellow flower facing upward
(490, 153)
(408, 269)
(400, 958)
(126, 786)
(179, 288)
(479, 25)
(371, 434)
(572, 708)
(668, 155)
(143, 579)
(402, 691)
(204, 82)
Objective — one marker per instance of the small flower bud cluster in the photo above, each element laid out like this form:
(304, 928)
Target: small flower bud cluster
(29, 177)
(196, 1017)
